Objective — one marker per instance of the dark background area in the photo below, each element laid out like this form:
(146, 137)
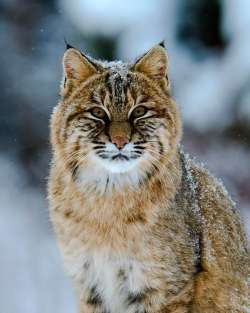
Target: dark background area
(209, 52)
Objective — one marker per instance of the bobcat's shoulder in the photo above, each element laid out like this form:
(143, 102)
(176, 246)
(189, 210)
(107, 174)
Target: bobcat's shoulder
(224, 283)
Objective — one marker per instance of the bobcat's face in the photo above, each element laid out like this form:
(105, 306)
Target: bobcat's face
(115, 119)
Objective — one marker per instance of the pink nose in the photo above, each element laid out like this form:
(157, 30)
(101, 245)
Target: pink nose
(120, 141)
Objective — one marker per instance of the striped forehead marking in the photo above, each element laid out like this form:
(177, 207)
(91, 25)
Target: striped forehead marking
(118, 89)
(118, 82)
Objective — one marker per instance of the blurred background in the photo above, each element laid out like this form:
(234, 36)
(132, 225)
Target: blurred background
(209, 52)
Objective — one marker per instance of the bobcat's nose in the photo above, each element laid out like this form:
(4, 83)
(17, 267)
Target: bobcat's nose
(120, 141)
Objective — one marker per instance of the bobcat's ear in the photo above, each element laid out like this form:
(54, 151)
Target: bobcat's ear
(154, 63)
(76, 66)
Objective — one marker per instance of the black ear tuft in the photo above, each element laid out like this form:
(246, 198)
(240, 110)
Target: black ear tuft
(162, 44)
(68, 46)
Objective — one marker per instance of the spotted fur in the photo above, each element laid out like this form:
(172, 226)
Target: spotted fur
(141, 227)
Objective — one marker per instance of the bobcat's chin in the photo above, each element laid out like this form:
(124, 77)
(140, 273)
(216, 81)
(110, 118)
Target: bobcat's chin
(118, 164)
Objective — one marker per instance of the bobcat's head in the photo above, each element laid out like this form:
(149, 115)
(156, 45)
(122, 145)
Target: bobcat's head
(116, 124)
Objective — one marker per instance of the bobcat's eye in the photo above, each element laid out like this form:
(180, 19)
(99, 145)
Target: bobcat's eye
(98, 112)
(139, 111)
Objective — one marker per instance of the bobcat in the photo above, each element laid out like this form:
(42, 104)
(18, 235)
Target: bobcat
(142, 228)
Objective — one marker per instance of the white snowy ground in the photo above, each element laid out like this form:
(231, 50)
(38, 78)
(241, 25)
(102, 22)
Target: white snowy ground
(31, 272)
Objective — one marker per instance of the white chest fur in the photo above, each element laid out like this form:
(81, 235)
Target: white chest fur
(115, 278)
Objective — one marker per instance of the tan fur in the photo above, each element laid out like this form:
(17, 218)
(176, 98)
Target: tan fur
(137, 237)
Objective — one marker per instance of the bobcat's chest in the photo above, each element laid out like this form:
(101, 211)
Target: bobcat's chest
(113, 282)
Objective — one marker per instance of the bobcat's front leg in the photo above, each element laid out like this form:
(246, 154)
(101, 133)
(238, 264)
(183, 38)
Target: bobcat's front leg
(180, 303)
(220, 294)
(90, 302)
